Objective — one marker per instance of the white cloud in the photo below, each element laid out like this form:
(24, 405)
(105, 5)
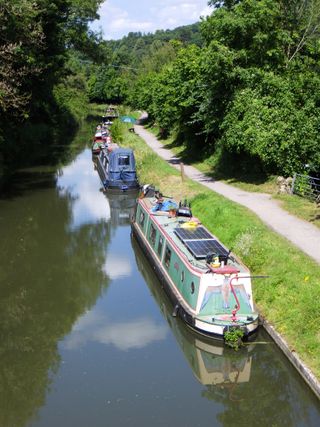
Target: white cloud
(118, 18)
(206, 11)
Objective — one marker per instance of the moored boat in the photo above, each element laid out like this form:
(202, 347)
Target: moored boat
(209, 286)
(117, 169)
(212, 363)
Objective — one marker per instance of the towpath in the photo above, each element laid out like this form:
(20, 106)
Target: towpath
(301, 233)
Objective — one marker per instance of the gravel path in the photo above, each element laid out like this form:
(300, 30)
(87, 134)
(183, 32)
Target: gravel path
(301, 233)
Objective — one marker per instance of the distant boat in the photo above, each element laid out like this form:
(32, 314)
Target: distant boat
(110, 114)
(208, 285)
(117, 169)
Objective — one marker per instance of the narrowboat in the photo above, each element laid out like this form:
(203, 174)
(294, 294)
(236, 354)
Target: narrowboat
(117, 169)
(208, 285)
(212, 363)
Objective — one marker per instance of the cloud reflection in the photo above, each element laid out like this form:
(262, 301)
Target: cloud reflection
(134, 334)
(116, 267)
(81, 184)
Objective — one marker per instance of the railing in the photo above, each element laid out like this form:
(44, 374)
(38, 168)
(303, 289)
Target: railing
(306, 186)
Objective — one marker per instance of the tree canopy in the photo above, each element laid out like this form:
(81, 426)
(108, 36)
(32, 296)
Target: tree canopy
(247, 92)
(38, 80)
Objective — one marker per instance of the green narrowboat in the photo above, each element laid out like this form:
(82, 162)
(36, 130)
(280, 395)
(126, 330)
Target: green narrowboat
(212, 363)
(208, 285)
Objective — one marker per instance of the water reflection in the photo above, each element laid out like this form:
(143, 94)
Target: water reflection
(122, 207)
(47, 237)
(127, 335)
(75, 182)
(246, 383)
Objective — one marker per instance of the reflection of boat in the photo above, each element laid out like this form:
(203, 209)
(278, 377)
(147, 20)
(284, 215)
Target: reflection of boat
(122, 207)
(117, 169)
(211, 362)
(210, 287)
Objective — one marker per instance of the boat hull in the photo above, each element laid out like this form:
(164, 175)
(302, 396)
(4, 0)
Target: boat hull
(180, 308)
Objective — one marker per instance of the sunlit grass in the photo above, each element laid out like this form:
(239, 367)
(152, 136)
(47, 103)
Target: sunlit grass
(301, 207)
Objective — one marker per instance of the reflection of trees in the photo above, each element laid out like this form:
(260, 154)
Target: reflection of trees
(49, 277)
(274, 396)
(271, 393)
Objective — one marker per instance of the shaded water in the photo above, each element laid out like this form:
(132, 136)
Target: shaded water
(87, 336)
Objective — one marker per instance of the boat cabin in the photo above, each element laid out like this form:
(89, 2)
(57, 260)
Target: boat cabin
(117, 169)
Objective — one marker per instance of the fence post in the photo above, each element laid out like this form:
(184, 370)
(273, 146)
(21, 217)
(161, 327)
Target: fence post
(182, 171)
(293, 182)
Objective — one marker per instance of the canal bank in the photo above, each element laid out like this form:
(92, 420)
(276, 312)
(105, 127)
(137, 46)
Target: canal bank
(285, 320)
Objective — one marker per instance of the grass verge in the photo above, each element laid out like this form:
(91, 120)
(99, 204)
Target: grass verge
(289, 298)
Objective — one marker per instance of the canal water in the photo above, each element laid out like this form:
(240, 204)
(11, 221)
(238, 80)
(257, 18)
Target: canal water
(87, 335)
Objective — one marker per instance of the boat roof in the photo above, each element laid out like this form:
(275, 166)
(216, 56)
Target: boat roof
(115, 159)
(190, 237)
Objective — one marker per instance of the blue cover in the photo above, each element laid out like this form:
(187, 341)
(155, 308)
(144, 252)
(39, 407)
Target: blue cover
(165, 206)
(122, 165)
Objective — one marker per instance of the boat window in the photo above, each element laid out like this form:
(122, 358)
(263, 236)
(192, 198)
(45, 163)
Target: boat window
(124, 161)
(141, 219)
(160, 245)
(182, 276)
(192, 287)
(153, 233)
(167, 257)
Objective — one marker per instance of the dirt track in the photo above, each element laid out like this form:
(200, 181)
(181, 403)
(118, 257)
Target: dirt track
(301, 233)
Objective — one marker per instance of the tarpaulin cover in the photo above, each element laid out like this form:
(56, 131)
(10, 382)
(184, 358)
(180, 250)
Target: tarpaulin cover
(128, 119)
(122, 165)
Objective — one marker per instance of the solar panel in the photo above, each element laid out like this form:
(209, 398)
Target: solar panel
(198, 233)
(200, 242)
(201, 248)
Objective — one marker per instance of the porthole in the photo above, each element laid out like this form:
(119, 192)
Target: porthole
(160, 245)
(141, 219)
(182, 276)
(167, 257)
(192, 287)
(153, 234)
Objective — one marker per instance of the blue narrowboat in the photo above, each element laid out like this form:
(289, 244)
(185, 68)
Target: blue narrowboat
(117, 169)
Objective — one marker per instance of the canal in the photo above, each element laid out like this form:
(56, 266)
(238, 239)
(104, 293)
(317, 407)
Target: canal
(87, 336)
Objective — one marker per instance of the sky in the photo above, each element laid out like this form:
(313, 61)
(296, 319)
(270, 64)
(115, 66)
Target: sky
(119, 17)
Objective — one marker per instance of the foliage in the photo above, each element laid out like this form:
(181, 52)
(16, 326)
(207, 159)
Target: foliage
(133, 57)
(118, 131)
(250, 94)
(41, 77)
(233, 338)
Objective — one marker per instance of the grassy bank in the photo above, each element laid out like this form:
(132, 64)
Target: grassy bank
(289, 298)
